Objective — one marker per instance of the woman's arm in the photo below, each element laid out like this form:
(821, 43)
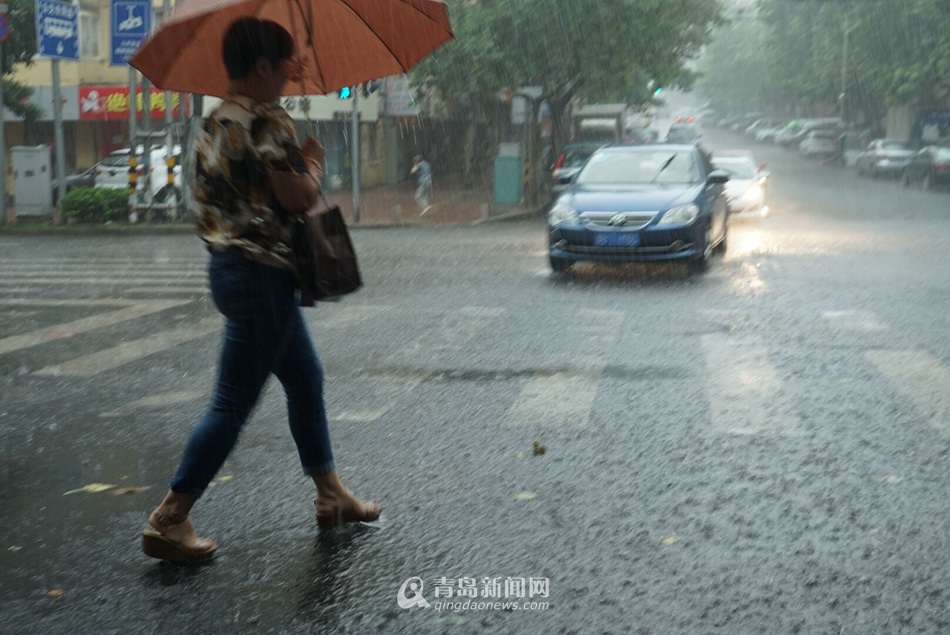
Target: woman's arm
(297, 192)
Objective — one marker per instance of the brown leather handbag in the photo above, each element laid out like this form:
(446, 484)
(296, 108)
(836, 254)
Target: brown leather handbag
(326, 261)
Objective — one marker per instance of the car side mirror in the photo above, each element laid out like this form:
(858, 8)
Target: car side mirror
(717, 177)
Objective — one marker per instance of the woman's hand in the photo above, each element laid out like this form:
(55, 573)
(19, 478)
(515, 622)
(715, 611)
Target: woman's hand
(312, 149)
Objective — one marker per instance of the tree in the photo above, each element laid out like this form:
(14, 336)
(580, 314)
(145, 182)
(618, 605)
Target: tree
(876, 53)
(600, 47)
(19, 48)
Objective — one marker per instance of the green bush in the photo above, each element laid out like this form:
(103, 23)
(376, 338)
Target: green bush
(95, 205)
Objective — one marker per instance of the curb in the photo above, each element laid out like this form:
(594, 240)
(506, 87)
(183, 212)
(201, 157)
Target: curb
(144, 229)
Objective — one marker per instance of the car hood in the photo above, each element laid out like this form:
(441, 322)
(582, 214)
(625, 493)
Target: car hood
(737, 187)
(629, 198)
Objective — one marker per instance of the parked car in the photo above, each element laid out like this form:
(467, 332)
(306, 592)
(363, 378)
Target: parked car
(883, 156)
(820, 142)
(683, 132)
(762, 123)
(113, 172)
(83, 178)
(640, 135)
(929, 167)
(769, 134)
(746, 191)
(797, 130)
(569, 163)
(644, 203)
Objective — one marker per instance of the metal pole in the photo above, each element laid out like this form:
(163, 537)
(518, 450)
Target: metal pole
(58, 133)
(3, 153)
(132, 134)
(844, 68)
(169, 117)
(355, 155)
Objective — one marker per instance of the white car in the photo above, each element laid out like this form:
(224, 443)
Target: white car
(883, 156)
(819, 143)
(113, 172)
(746, 189)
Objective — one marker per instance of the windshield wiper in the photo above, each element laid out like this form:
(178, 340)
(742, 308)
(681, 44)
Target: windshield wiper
(665, 165)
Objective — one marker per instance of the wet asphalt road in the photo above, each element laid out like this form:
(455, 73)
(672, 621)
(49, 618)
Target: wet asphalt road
(762, 449)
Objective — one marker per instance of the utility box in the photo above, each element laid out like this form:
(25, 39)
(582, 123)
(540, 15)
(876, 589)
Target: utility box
(509, 174)
(32, 180)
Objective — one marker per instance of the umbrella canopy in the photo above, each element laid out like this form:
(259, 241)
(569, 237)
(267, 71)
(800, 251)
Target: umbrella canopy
(341, 42)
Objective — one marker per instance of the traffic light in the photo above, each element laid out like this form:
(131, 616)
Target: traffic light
(658, 91)
(345, 92)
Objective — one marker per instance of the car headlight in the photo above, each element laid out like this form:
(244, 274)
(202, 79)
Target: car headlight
(680, 215)
(752, 194)
(561, 213)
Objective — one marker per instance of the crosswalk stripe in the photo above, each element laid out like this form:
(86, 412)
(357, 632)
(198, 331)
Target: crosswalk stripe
(921, 379)
(113, 279)
(560, 400)
(131, 311)
(745, 394)
(110, 358)
(853, 320)
(452, 334)
(349, 316)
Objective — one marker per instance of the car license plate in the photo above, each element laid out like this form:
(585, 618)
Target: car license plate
(617, 239)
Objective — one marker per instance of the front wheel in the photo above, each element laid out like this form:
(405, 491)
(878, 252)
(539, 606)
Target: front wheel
(905, 178)
(928, 182)
(723, 244)
(700, 264)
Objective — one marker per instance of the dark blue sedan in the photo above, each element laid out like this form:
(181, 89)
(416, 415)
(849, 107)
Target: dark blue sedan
(641, 204)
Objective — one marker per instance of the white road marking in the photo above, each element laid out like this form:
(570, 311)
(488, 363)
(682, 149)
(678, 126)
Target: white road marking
(745, 394)
(361, 416)
(603, 327)
(559, 400)
(6, 281)
(452, 334)
(853, 320)
(125, 352)
(347, 316)
(921, 379)
(130, 311)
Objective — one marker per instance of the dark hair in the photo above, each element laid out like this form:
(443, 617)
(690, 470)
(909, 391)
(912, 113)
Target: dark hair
(248, 40)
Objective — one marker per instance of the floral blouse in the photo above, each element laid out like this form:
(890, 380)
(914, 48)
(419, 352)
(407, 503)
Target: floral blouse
(236, 207)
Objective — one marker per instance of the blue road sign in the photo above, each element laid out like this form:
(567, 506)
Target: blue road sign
(57, 29)
(131, 23)
(4, 27)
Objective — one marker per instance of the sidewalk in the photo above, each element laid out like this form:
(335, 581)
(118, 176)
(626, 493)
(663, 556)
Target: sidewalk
(452, 203)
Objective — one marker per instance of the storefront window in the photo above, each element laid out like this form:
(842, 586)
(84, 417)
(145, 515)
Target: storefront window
(89, 32)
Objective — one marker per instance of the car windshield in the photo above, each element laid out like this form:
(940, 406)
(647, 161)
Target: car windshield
(893, 145)
(737, 167)
(627, 167)
(116, 160)
(575, 157)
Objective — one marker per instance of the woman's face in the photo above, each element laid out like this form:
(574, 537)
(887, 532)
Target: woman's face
(288, 69)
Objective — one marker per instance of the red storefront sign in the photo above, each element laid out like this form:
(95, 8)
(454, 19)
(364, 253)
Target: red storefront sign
(112, 102)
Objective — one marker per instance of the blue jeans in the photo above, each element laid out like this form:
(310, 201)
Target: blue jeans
(264, 333)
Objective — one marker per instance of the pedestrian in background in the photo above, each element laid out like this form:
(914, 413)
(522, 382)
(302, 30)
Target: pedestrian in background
(423, 173)
(248, 157)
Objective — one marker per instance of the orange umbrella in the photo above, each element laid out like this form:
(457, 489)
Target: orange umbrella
(341, 42)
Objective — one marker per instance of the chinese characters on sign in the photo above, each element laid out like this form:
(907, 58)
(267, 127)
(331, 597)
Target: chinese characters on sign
(492, 587)
(112, 102)
(57, 29)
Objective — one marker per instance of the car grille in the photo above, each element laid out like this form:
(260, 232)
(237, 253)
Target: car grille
(631, 220)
